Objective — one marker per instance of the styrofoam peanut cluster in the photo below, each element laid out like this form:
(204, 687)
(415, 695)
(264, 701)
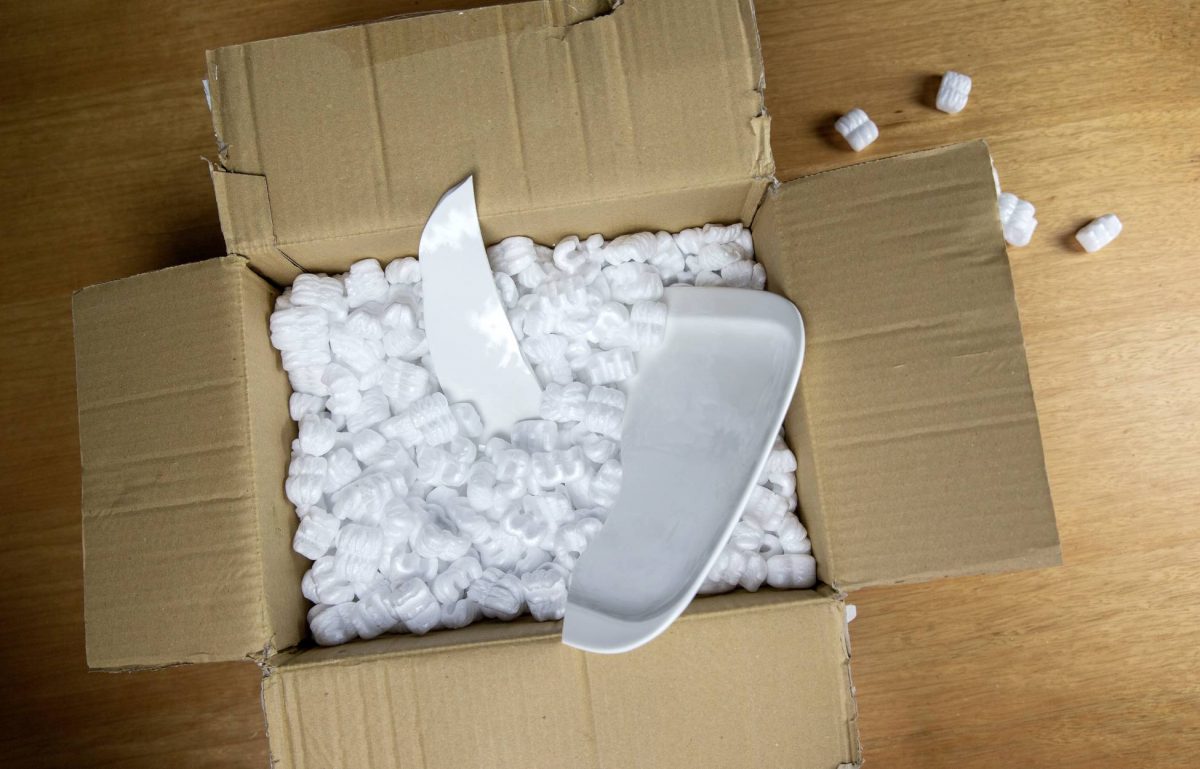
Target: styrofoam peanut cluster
(1017, 219)
(769, 544)
(411, 522)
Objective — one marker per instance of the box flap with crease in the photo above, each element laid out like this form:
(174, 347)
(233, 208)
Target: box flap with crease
(914, 420)
(747, 680)
(184, 439)
(336, 144)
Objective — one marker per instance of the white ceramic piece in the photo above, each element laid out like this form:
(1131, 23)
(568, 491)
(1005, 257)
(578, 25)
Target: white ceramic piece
(686, 479)
(478, 358)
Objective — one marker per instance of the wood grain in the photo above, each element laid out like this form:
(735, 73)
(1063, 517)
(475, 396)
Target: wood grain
(1088, 106)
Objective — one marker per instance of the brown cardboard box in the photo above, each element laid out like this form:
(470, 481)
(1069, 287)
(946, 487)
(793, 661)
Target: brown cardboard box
(914, 421)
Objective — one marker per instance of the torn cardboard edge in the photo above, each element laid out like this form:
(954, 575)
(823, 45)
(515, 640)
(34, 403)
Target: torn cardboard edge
(731, 147)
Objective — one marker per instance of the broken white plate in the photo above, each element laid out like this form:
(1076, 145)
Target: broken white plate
(703, 413)
(475, 353)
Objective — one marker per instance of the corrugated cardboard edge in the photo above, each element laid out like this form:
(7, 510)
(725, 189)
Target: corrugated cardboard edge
(244, 208)
(764, 163)
(265, 647)
(853, 738)
(243, 199)
(284, 608)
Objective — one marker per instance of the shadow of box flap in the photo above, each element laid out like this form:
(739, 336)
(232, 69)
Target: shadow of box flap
(914, 422)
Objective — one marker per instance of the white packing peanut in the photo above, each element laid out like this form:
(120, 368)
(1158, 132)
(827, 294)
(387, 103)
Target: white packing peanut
(331, 624)
(405, 566)
(460, 614)
(317, 435)
(512, 255)
(433, 541)
(608, 367)
(1098, 233)
(535, 435)
(416, 607)
(607, 484)
(793, 537)
(791, 571)
(363, 500)
(365, 283)
(754, 573)
(738, 274)
(612, 325)
(647, 325)
(469, 422)
(507, 288)
(340, 469)
(372, 409)
(634, 282)
(545, 592)
(321, 583)
(603, 411)
(638, 247)
(315, 534)
(329, 294)
(359, 548)
(770, 545)
(569, 256)
(715, 256)
(431, 416)
(857, 129)
(555, 468)
(563, 403)
(302, 404)
(765, 508)
(1017, 219)
(366, 445)
(403, 271)
(306, 481)
(953, 92)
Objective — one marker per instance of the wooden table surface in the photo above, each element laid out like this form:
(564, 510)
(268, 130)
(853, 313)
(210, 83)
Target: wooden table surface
(1090, 107)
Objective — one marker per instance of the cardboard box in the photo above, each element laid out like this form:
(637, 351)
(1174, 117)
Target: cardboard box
(914, 421)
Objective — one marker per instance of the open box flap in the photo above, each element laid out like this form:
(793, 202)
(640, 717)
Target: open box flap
(184, 436)
(745, 680)
(914, 421)
(646, 117)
